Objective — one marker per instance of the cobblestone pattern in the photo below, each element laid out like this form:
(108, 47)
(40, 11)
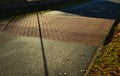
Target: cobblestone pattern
(25, 26)
(77, 29)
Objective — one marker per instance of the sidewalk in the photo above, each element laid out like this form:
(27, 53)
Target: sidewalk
(69, 43)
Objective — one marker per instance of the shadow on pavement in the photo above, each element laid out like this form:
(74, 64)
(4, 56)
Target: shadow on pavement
(97, 9)
(13, 9)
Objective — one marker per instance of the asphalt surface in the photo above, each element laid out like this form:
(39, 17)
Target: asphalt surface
(109, 9)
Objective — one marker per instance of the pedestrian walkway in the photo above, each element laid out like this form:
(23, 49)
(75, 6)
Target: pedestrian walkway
(63, 28)
(70, 42)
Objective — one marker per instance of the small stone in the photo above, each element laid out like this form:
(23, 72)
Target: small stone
(109, 44)
(82, 71)
(106, 53)
(60, 37)
(65, 73)
(96, 70)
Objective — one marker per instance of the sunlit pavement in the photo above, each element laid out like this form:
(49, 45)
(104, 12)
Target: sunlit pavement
(70, 42)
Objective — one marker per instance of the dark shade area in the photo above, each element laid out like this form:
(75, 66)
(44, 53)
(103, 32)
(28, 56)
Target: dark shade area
(18, 8)
(111, 33)
(97, 9)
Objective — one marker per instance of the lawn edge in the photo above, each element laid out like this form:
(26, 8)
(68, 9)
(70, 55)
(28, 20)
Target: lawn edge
(105, 42)
(90, 65)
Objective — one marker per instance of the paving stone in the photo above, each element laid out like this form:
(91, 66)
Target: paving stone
(75, 29)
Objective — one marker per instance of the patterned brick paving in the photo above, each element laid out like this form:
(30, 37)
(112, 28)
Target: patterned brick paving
(75, 29)
(2, 24)
(25, 26)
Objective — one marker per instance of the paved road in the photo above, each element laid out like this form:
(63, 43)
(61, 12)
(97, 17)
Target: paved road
(98, 8)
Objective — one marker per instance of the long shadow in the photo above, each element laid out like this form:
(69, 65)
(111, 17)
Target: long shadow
(16, 8)
(42, 47)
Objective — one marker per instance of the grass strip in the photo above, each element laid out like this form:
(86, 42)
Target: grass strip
(107, 62)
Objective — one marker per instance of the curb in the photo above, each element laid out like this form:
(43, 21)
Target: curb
(90, 65)
(111, 33)
(106, 41)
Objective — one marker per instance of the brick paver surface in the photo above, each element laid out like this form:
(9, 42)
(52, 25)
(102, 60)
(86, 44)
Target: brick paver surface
(25, 26)
(70, 42)
(77, 29)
